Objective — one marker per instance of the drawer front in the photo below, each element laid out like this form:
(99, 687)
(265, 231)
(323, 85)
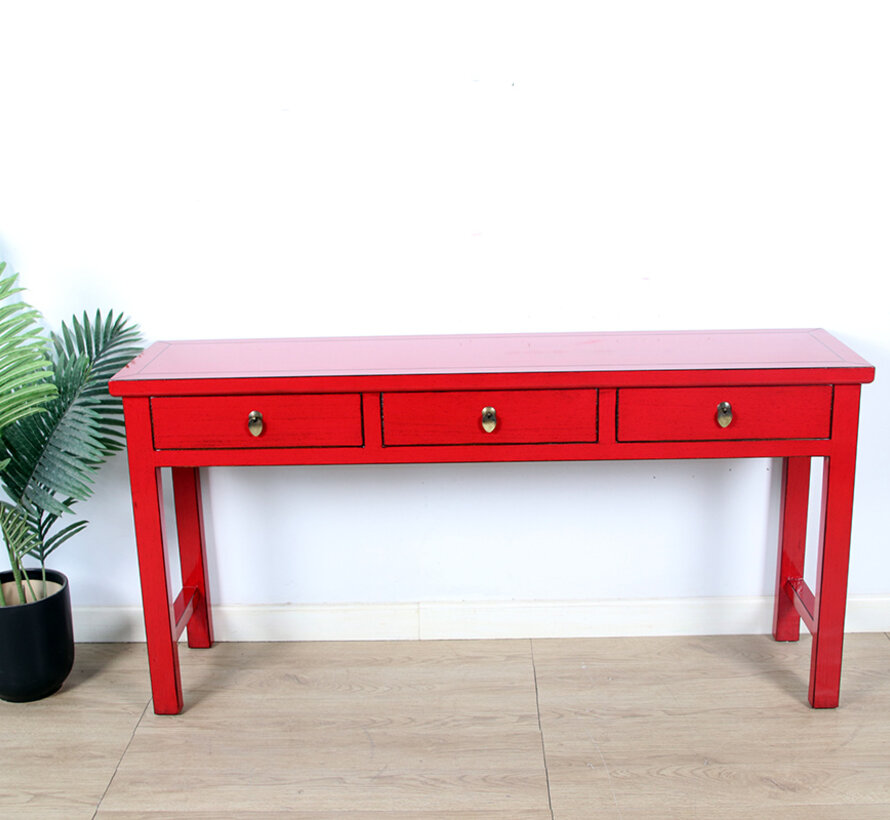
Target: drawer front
(521, 417)
(691, 413)
(310, 420)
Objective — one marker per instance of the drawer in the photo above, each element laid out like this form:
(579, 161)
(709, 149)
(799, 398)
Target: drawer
(306, 420)
(521, 417)
(691, 413)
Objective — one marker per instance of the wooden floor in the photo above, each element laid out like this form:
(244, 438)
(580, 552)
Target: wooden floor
(514, 730)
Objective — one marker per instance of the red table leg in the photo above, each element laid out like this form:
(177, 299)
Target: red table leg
(792, 543)
(192, 553)
(834, 551)
(148, 515)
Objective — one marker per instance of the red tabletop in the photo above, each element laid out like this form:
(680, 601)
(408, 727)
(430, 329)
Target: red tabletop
(490, 353)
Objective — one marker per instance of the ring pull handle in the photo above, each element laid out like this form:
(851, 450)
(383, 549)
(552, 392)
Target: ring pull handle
(724, 414)
(489, 419)
(255, 422)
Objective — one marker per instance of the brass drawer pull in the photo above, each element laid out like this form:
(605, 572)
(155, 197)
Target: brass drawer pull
(724, 414)
(255, 422)
(489, 419)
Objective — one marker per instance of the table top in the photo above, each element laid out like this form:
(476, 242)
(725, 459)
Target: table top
(490, 353)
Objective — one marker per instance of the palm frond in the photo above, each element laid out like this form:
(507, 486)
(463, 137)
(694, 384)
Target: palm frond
(48, 459)
(49, 543)
(21, 539)
(52, 453)
(55, 455)
(18, 532)
(24, 366)
(109, 344)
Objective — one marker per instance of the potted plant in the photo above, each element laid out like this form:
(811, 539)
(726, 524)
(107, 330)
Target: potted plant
(58, 424)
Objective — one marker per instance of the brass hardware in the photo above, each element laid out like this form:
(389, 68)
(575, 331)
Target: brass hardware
(255, 422)
(724, 414)
(489, 419)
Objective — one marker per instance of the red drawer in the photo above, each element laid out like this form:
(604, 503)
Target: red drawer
(309, 420)
(523, 417)
(691, 413)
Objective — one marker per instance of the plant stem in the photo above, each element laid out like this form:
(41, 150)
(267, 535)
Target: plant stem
(11, 564)
(17, 577)
(30, 586)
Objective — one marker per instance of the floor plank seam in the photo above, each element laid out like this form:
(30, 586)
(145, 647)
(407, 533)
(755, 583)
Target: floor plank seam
(121, 758)
(599, 751)
(541, 729)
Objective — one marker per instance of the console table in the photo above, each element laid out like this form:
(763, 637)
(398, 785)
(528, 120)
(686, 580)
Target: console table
(789, 394)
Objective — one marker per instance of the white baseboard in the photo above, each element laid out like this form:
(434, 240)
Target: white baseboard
(480, 619)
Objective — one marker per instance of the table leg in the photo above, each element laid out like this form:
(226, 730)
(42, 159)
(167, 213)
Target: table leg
(831, 582)
(192, 552)
(792, 543)
(163, 654)
(834, 551)
(148, 516)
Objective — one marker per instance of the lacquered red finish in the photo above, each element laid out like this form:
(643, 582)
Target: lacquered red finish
(792, 544)
(568, 396)
(490, 353)
(313, 420)
(690, 413)
(521, 417)
(192, 553)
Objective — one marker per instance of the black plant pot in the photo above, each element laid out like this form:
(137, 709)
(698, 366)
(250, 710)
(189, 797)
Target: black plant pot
(36, 642)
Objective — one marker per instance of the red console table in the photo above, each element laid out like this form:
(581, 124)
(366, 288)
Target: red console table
(789, 394)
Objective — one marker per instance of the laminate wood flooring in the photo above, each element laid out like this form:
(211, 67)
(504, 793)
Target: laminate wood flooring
(692, 727)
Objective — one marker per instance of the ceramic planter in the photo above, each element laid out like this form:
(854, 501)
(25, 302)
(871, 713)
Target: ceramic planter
(36, 640)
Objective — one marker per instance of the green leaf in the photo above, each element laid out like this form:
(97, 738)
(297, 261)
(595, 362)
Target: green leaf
(19, 535)
(48, 459)
(55, 457)
(59, 538)
(25, 383)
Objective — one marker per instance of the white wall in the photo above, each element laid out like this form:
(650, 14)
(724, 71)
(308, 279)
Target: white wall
(328, 168)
